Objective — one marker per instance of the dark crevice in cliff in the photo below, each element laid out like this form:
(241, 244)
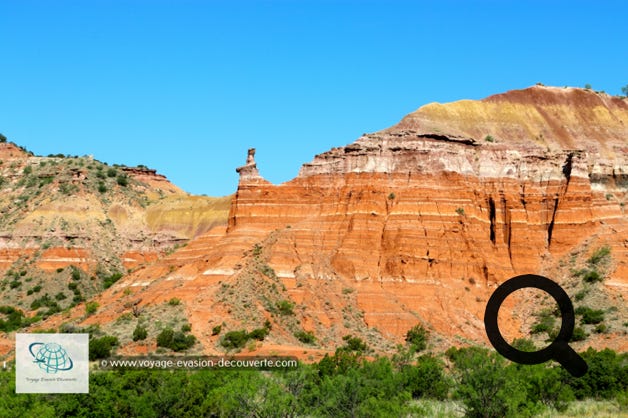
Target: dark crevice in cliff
(567, 167)
(440, 137)
(507, 229)
(550, 228)
(491, 209)
(381, 251)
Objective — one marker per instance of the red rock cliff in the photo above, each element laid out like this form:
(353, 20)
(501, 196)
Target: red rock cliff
(416, 223)
(462, 195)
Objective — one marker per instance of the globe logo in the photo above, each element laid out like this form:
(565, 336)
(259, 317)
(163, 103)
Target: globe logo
(51, 357)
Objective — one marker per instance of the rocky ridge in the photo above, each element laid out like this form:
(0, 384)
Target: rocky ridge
(58, 213)
(418, 223)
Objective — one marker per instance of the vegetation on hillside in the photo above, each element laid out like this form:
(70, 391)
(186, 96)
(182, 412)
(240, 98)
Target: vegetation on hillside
(479, 382)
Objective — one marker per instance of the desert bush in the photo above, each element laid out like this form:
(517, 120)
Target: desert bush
(590, 316)
(122, 180)
(234, 339)
(175, 340)
(108, 281)
(354, 344)
(285, 307)
(91, 308)
(101, 347)
(140, 333)
(13, 319)
(306, 337)
(416, 337)
(599, 255)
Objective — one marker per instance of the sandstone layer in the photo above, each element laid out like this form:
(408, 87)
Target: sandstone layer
(418, 223)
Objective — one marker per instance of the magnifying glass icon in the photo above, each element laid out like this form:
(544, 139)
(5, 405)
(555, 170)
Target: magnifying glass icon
(559, 349)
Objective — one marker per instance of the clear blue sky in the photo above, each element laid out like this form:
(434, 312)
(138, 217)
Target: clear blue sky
(187, 86)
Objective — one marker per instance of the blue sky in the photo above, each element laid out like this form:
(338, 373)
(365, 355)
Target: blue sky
(187, 86)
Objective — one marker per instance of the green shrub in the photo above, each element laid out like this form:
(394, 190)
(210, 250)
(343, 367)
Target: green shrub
(234, 339)
(523, 344)
(76, 273)
(140, 333)
(546, 325)
(174, 302)
(60, 296)
(607, 375)
(305, 337)
(68, 189)
(258, 334)
(122, 180)
(590, 316)
(417, 337)
(91, 308)
(578, 334)
(546, 322)
(165, 337)
(176, 341)
(44, 181)
(285, 307)
(216, 330)
(101, 347)
(601, 329)
(426, 379)
(599, 255)
(592, 276)
(37, 288)
(112, 172)
(110, 280)
(45, 301)
(186, 328)
(355, 344)
(102, 188)
(13, 319)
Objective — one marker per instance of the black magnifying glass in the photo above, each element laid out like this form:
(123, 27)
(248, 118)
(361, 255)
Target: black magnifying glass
(559, 349)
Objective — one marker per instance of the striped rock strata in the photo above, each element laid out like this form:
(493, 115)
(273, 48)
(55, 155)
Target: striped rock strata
(418, 223)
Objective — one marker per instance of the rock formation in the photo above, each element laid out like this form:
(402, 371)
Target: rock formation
(61, 211)
(427, 217)
(417, 223)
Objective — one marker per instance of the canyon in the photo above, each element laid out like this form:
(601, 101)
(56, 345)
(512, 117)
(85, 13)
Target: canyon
(415, 224)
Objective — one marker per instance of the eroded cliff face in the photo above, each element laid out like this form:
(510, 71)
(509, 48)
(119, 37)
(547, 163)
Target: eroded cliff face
(427, 217)
(418, 223)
